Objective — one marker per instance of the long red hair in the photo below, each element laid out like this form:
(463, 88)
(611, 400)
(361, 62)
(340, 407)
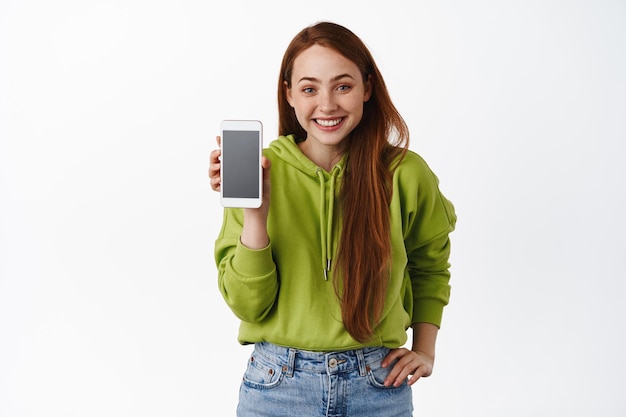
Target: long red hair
(374, 146)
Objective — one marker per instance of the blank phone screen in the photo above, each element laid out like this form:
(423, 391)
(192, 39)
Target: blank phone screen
(240, 163)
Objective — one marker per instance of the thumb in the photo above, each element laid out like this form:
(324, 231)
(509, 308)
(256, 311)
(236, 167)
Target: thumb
(266, 164)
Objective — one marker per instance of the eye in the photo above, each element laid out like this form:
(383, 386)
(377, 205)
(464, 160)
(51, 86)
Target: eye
(308, 90)
(343, 87)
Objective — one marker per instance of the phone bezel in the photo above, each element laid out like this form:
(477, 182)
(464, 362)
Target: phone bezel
(245, 125)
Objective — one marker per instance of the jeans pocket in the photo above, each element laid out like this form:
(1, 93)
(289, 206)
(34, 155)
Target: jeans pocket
(262, 373)
(376, 375)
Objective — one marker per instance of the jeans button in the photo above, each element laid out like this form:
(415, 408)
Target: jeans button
(332, 362)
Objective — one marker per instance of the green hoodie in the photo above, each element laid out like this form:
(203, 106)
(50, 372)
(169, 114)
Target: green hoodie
(284, 293)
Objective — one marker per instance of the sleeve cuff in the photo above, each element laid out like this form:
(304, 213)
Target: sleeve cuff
(253, 262)
(428, 311)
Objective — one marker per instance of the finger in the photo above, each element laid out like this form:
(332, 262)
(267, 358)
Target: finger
(214, 170)
(215, 156)
(215, 183)
(393, 355)
(406, 364)
(410, 371)
(396, 374)
(266, 164)
(215, 166)
(416, 375)
(215, 163)
(422, 371)
(413, 380)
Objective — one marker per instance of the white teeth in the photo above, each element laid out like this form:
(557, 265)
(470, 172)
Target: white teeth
(328, 123)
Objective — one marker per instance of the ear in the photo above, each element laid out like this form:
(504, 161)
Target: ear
(287, 91)
(368, 89)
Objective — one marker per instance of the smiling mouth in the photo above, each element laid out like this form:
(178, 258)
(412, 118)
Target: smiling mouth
(328, 122)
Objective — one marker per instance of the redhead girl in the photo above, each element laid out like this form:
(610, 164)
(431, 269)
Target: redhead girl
(348, 251)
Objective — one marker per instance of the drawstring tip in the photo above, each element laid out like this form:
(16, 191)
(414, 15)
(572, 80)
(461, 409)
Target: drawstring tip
(327, 269)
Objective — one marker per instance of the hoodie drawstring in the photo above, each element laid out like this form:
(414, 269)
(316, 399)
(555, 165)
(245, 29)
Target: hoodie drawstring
(326, 230)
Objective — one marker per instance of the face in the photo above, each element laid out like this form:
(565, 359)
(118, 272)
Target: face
(327, 93)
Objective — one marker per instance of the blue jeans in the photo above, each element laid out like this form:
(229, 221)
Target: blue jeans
(287, 382)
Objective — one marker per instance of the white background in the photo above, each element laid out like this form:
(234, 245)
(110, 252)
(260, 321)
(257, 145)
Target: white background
(108, 110)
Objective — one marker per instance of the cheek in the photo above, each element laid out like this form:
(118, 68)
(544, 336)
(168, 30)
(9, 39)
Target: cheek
(301, 117)
(302, 110)
(357, 108)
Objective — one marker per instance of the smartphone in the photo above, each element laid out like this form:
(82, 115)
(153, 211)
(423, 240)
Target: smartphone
(241, 171)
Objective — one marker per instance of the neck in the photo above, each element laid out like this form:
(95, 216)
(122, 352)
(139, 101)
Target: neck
(324, 157)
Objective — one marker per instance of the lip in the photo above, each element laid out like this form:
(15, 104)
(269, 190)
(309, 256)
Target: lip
(329, 128)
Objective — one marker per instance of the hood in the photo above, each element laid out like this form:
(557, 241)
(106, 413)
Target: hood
(286, 148)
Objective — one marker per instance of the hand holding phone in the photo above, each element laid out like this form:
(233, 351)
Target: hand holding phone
(215, 178)
(241, 171)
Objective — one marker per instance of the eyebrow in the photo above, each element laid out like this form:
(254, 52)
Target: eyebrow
(315, 80)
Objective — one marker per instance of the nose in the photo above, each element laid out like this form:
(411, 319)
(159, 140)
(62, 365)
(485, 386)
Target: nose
(327, 102)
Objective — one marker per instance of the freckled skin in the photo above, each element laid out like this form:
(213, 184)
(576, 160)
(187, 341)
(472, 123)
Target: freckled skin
(329, 87)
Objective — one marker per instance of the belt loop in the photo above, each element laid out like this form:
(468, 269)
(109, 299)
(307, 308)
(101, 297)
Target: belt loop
(361, 360)
(291, 363)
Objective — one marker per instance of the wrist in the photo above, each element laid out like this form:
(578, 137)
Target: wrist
(424, 339)
(254, 233)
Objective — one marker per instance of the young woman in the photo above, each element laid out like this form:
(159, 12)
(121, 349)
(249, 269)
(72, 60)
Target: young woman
(348, 250)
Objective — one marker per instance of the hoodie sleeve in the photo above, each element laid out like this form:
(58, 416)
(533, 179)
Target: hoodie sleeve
(247, 278)
(428, 219)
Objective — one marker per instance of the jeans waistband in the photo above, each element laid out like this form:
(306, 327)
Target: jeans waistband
(321, 362)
